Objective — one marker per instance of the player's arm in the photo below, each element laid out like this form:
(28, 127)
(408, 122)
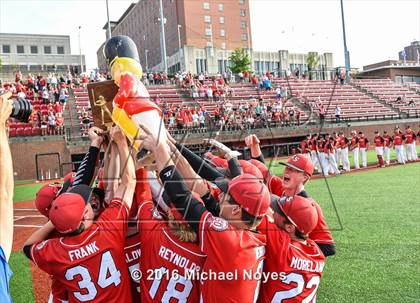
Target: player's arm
(6, 179)
(172, 180)
(327, 249)
(191, 178)
(125, 190)
(253, 143)
(40, 235)
(199, 165)
(86, 170)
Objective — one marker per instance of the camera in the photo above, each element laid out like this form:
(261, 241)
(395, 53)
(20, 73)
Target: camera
(22, 109)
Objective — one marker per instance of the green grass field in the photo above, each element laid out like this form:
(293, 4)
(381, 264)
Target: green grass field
(378, 251)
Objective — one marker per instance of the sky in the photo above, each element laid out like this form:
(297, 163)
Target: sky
(376, 29)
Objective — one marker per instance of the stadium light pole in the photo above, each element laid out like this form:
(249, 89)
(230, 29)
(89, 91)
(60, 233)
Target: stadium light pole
(108, 22)
(162, 29)
(346, 52)
(80, 52)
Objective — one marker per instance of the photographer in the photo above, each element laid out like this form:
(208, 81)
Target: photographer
(6, 199)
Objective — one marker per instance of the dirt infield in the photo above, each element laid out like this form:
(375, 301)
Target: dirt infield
(27, 219)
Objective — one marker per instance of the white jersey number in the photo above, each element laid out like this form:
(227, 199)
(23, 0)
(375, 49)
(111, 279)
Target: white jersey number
(171, 291)
(108, 274)
(291, 293)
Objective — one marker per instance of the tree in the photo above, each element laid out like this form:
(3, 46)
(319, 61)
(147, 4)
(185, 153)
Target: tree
(1, 66)
(240, 61)
(312, 61)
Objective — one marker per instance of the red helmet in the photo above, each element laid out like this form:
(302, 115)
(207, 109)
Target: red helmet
(262, 168)
(249, 168)
(45, 196)
(300, 211)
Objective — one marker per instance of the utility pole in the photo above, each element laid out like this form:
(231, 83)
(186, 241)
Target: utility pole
(147, 66)
(180, 51)
(80, 53)
(163, 42)
(109, 24)
(346, 52)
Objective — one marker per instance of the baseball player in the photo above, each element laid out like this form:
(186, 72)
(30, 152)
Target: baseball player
(397, 141)
(304, 146)
(288, 248)
(344, 145)
(379, 148)
(337, 154)
(89, 260)
(314, 152)
(354, 147)
(170, 255)
(410, 144)
(330, 155)
(323, 154)
(387, 147)
(230, 241)
(363, 147)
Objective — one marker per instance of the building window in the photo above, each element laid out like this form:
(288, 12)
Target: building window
(60, 50)
(208, 31)
(244, 37)
(223, 45)
(221, 7)
(222, 20)
(47, 49)
(209, 44)
(20, 49)
(34, 49)
(242, 13)
(6, 49)
(206, 5)
(207, 19)
(222, 33)
(241, 1)
(243, 24)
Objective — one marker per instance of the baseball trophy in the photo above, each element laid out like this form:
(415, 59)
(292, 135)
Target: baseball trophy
(131, 105)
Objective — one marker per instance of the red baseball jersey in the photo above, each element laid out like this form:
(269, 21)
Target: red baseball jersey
(168, 266)
(294, 269)
(354, 142)
(321, 233)
(58, 292)
(234, 261)
(409, 136)
(379, 141)
(387, 140)
(304, 146)
(132, 253)
(314, 145)
(363, 142)
(90, 266)
(398, 139)
(343, 142)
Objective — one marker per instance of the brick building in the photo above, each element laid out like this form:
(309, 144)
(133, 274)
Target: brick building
(200, 36)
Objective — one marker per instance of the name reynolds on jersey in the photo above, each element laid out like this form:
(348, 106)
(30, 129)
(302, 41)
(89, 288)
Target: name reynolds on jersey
(177, 259)
(83, 251)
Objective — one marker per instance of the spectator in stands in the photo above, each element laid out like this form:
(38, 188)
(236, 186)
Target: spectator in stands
(85, 123)
(44, 125)
(322, 111)
(59, 123)
(63, 95)
(45, 96)
(298, 113)
(279, 95)
(411, 103)
(399, 100)
(51, 123)
(337, 114)
(54, 81)
(291, 114)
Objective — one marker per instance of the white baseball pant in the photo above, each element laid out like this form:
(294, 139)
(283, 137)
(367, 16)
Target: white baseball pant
(414, 150)
(345, 158)
(356, 157)
(387, 153)
(363, 153)
(324, 163)
(333, 164)
(399, 150)
(314, 158)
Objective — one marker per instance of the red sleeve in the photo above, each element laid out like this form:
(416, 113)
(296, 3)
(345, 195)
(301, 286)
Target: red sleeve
(142, 192)
(43, 254)
(114, 219)
(212, 236)
(321, 233)
(275, 185)
(147, 219)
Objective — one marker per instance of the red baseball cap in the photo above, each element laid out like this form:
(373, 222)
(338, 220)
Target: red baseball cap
(67, 210)
(300, 163)
(300, 211)
(249, 168)
(247, 191)
(45, 196)
(262, 168)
